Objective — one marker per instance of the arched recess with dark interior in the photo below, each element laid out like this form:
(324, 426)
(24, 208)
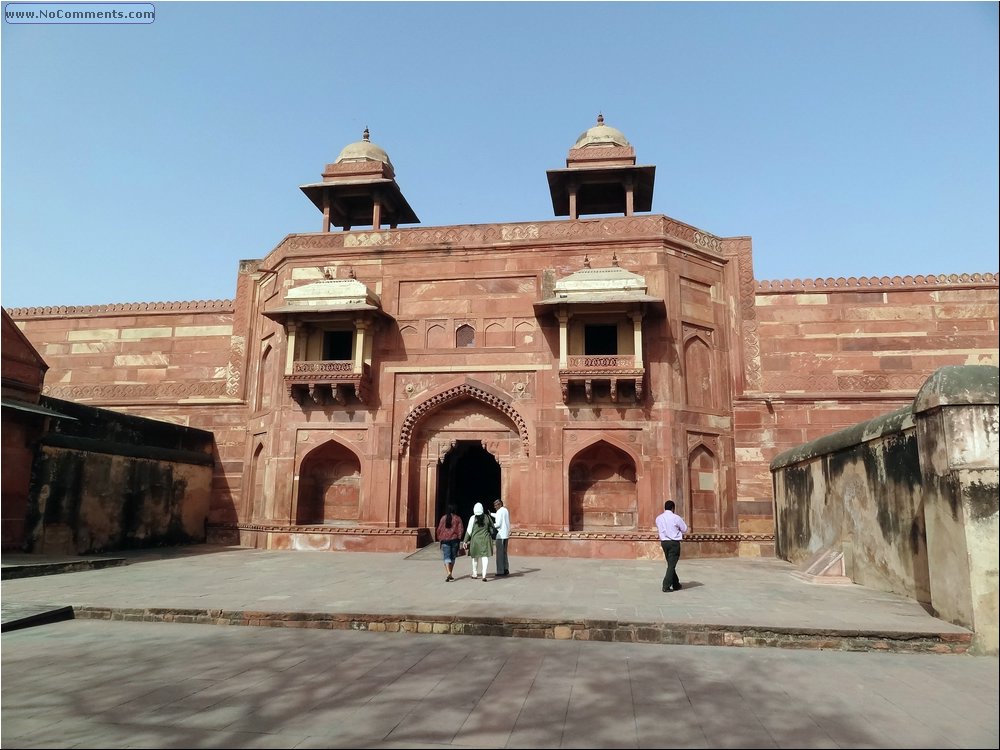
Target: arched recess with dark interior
(469, 474)
(329, 486)
(603, 494)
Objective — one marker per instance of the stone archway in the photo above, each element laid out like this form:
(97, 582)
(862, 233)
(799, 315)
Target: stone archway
(480, 431)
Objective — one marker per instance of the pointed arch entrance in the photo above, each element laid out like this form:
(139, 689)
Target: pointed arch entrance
(463, 445)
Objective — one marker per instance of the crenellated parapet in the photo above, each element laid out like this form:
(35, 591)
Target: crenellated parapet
(869, 283)
(215, 305)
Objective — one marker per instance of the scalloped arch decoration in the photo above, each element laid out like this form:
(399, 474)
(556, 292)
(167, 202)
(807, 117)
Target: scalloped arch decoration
(465, 390)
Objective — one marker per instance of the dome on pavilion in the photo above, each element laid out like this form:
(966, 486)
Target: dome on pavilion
(601, 135)
(363, 150)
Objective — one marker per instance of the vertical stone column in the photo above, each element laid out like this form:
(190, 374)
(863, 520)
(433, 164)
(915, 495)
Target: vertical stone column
(563, 316)
(636, 316)
(290, 348)
(359, 345)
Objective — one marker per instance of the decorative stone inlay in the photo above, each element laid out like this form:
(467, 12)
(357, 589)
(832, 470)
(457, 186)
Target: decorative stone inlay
(370, 239)
(527, 232)
(708, 241)
(843, 385)
(139, 391)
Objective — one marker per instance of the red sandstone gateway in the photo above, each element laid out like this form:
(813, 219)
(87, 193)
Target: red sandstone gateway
(581, 369)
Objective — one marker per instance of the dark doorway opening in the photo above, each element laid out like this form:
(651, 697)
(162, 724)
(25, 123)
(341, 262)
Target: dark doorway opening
(468, 475)
(338, 345)
(600, 339)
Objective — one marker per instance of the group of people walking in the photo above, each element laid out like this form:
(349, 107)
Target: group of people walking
(485, 534)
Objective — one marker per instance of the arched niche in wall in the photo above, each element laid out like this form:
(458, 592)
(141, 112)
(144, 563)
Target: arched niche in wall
(603, 494)
(329, 486)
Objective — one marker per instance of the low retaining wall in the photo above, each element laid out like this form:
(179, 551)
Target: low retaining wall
(910, 499)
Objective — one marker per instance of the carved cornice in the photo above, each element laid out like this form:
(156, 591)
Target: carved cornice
(869, 283)
(465, 390)
(215, 305)
(480, 235)
(133, 392)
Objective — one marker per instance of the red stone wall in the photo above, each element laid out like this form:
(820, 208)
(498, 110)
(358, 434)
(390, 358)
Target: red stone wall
(181, 362)
(23, 378)
(736, 372)
(837, 352)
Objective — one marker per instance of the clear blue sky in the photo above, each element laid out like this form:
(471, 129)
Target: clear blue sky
(142, 163)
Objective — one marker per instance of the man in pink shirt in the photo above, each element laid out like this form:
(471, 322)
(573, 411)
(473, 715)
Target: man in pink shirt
(671, 528)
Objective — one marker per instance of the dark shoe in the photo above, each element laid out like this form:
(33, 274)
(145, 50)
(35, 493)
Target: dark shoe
(484, 579)
(664, 589)
(677, 587)
(449, 578)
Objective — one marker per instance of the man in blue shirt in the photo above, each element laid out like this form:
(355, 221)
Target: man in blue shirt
(671, 528)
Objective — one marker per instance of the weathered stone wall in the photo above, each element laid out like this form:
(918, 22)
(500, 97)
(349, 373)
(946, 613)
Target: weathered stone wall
(180, 362)
(910, 499)
(103, 481)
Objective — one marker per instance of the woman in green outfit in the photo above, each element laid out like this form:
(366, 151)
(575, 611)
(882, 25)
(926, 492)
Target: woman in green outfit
(479, 540)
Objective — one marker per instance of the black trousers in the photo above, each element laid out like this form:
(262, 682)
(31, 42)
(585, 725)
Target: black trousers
(503, 564)
(671, 551)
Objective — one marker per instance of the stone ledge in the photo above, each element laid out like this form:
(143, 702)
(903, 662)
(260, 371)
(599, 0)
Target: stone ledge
(608, 631)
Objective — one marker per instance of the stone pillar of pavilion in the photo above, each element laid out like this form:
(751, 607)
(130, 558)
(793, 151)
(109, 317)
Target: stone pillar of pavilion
(601, 176)
(359, 190)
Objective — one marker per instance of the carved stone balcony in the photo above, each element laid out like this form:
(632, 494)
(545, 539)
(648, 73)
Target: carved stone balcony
(613, 369)
(328, 380)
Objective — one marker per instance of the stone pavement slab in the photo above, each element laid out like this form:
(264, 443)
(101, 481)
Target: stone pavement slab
(594, 598)
(90, 684)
